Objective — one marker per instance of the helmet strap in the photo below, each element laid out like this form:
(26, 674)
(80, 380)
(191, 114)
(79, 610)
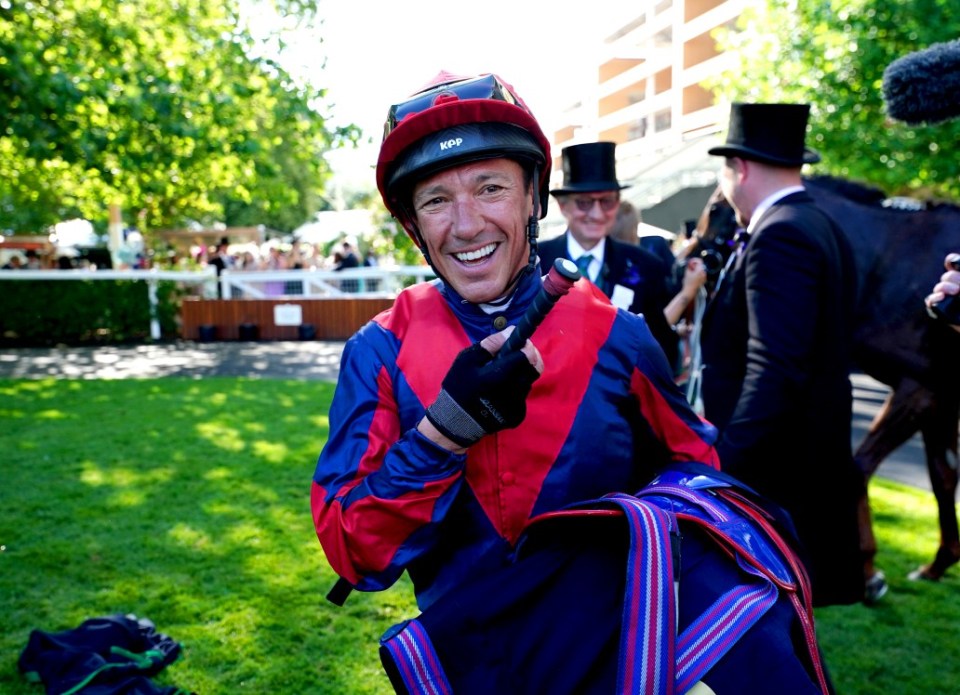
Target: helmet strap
(533, 224)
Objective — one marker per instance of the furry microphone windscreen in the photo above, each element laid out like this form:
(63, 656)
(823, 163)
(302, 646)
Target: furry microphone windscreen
(924, 86)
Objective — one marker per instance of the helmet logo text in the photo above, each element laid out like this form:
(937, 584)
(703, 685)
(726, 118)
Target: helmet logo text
(448, 144)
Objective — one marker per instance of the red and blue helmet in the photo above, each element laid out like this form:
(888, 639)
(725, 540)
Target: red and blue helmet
(451, 121)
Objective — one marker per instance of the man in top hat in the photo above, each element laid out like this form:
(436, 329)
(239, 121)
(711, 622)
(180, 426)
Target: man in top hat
(776, 344)
(631, 277)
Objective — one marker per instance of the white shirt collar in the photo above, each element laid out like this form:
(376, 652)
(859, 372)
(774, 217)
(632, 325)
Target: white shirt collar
(768, 202)
(575, 250)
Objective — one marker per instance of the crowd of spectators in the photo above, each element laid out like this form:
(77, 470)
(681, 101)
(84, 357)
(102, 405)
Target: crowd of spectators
(298, 255)
(30, 260)
(272, 255)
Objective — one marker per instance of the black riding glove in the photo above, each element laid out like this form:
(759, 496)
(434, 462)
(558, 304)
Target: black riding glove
(481, 395)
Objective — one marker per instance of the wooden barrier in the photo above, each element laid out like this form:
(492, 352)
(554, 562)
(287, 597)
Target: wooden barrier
(331, 319)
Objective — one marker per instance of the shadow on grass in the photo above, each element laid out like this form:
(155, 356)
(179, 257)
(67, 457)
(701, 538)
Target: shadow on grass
(186, 502)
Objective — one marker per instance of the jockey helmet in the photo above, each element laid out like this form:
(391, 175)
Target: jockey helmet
(454, 120)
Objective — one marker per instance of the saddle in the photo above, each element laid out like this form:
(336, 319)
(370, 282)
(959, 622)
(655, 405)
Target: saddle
(689, 585)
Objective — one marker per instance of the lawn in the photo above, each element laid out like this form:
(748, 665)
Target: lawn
(187, 502)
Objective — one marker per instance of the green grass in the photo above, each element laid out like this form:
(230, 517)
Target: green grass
(908, 642)
(187, 502)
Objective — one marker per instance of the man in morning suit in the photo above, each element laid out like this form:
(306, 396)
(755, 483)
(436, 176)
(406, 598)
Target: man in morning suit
(776, 344)
(631, 277)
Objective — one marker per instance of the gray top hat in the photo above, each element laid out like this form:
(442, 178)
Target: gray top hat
(770, 133)
(589, 167)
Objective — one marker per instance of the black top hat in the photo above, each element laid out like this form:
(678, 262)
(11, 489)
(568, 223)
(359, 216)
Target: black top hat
(589, 167)
(770, 133)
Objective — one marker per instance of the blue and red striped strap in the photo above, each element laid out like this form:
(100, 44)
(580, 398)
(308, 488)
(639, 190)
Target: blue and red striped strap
(649, 628)
(649, 647)
(417, 661)
(653, 659)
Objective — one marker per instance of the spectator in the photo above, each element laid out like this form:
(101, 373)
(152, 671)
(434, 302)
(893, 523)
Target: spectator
(33, 260)
(15, 263)
(348, 259)
(626, 227)
(632, 278)
(275, 260)
(221, 260)
(247, 261)
(776, 345)
(683, 285)
(297, 259)
(370, 260)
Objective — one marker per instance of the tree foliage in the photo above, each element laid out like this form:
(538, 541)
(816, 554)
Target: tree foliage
(162, 106)
(832, 54)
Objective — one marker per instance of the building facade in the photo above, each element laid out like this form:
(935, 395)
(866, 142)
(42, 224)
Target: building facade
(649, 99)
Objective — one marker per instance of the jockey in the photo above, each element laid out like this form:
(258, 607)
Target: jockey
(439, 454)
(443, 444)
(448, 449)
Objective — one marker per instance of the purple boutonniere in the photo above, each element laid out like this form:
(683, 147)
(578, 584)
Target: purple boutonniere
(632, 275)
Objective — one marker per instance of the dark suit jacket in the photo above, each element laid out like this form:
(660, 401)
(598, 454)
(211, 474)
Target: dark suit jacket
(635, 269)
(776, 344)
(659, 247)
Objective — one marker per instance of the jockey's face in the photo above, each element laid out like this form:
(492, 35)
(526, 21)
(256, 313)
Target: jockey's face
(473, 219)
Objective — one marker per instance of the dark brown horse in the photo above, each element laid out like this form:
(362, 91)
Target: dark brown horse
(899, 246)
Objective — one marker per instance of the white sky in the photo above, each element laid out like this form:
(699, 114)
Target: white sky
(378, 52)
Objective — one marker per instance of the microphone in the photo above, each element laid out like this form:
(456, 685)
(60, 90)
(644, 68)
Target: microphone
(924, 86)
(557, 283)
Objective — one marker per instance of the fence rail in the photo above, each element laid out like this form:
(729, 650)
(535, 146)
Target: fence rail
(373, 282)
(360, 283)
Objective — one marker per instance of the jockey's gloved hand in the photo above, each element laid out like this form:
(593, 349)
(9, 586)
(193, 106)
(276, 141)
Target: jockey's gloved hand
(481, 395)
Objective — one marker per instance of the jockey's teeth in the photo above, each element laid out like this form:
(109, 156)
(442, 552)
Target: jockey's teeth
(476, 255)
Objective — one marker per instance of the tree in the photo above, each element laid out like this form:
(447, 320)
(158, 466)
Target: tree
(163, 107)
(832, 54)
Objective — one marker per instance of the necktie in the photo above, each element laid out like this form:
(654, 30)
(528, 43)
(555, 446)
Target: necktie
(583, 263)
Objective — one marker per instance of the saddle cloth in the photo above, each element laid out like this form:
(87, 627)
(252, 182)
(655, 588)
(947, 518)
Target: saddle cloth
(690, 583)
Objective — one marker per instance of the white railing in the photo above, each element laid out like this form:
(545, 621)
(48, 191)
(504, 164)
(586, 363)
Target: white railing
(353, 282)
(384, 281)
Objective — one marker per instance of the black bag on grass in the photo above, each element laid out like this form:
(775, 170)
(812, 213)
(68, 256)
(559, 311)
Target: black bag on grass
(110, 655)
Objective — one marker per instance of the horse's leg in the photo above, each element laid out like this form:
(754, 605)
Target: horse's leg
(940, 443)
(897, 421)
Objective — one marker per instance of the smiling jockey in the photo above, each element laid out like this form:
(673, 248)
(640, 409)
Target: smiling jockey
(441, 450)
